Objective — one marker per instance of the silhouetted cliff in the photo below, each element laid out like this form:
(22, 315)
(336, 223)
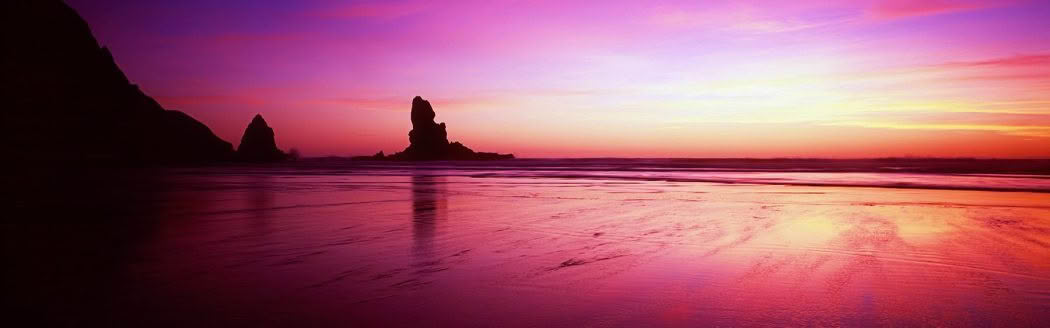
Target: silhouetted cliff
(66, 99)
(257, 144)
(428, 140)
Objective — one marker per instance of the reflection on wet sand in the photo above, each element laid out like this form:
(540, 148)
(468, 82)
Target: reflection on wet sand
(428, 208)
(399, 249)
(260, 196)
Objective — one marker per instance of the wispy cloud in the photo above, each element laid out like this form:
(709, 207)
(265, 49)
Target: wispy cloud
(404, 103)
(739, 18)
(1042, 131)
(1022, 73)
(378, 10)
(745, 17)
(1016, 73)
(194, 100)
(1013, 124)
(893, 9)
(1012, 61)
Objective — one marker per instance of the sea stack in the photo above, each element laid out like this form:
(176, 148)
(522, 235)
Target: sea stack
(67, 101)
(258, 144)
(428, 140)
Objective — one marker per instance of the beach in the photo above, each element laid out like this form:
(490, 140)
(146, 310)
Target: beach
(397, 247)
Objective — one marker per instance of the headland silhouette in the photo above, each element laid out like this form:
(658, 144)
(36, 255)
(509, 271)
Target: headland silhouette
(69, 101)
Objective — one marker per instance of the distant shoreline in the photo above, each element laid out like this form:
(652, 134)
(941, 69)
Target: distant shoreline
(886, 165)
(973, 175)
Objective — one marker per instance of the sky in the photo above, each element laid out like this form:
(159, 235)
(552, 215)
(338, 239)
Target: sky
(803, 78)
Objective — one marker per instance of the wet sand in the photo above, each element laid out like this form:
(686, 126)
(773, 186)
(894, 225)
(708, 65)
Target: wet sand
(431, 248)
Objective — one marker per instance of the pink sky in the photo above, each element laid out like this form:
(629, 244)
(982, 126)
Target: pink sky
(603, 78)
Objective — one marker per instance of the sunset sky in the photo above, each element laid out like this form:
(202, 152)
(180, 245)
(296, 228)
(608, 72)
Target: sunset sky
(603, 78)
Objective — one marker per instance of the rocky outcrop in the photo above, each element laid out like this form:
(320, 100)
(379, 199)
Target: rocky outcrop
(258, 144)
(428, 140)
(377, 157)
(67, 101)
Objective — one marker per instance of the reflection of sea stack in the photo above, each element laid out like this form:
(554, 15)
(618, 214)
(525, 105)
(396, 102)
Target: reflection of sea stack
(66, 99)
(257, 144)
(428, 140)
